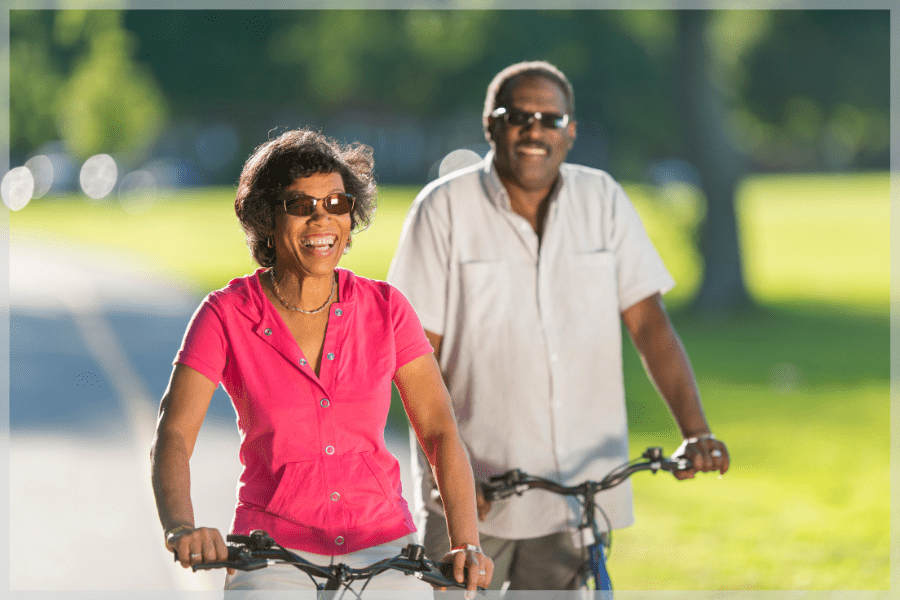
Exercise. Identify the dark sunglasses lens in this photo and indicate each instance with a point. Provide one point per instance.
(300, 207)
(303, 206)
(552, 121)
(338, 204)
(518, 118)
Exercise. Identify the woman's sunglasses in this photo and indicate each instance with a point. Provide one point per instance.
(303, 205)
(520, 118)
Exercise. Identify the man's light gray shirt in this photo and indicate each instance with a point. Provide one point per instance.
(531, 350)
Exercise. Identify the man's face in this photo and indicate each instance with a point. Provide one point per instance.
(528, 156)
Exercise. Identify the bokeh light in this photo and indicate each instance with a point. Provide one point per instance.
(458, 159)
(17, 188)
(98, 176)
(41, 168)
(137, 192)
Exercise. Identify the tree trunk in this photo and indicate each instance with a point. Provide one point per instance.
(702, 108)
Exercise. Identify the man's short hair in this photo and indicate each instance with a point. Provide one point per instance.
(501, 87)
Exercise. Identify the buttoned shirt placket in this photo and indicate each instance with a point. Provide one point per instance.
(540, 253)
(327, 428)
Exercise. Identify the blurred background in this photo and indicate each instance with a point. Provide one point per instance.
(754, 144)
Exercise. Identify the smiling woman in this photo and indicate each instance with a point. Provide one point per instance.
(307, 352)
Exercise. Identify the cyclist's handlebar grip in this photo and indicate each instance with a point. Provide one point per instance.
(242, 565)
(446, 569)
(491, 494)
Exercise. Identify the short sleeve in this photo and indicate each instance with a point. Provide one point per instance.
(641, 271)
(420, 267)
(409, 336)
(204, 346)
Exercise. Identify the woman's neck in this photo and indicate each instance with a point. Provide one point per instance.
(305, 292)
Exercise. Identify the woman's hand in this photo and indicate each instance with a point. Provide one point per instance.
(481, 567)
(201, 545)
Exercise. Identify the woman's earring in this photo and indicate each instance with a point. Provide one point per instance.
(269, 242)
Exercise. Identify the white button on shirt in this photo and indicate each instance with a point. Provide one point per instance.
(531, 331)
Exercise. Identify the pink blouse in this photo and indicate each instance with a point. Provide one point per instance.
(316, 473)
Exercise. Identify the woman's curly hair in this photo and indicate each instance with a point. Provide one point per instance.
(276, 164)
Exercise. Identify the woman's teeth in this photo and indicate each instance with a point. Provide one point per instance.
(320, 242)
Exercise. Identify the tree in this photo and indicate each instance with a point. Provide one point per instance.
(721, 166)
(73, 76)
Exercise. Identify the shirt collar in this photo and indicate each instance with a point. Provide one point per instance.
(251, 300)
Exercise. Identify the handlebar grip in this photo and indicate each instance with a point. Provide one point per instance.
(498, 493)
(446, 570)
(678, 463)
(241, 565)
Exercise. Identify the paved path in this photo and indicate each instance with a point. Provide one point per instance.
(91, 344)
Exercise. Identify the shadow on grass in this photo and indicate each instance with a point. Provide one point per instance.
(777, 354)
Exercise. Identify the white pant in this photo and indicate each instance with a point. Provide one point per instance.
(260, 584)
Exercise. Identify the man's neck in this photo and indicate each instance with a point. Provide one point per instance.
(531, 205)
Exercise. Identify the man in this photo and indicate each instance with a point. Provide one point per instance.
(520, 268)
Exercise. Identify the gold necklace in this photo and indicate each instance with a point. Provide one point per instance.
(305, 312)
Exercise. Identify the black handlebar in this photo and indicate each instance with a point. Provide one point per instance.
(515, 482)
(258, 550)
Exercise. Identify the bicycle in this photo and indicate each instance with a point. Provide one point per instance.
(597, 577)
(258, 550)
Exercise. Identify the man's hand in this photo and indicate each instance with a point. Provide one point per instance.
(706, 454)
(483, 505)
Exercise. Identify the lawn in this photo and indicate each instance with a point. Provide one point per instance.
(798, 387)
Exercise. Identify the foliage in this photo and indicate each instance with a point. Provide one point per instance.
(73, 75)
(817, 88)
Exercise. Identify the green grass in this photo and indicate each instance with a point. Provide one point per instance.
(192, 237)
(806, 504)
(798, 387)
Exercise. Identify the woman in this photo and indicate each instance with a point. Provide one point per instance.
(307, 352)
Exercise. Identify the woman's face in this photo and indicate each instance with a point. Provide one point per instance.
(311, 245)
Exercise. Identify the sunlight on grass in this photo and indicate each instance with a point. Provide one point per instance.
(817, 237)
(823, 238)
(796, 511)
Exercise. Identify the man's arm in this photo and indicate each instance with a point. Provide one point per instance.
(435, 340)
(670, 370)
(483, 505)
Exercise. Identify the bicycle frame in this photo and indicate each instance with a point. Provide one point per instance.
(516, 482)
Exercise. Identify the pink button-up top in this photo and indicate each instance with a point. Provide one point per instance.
(316, 473)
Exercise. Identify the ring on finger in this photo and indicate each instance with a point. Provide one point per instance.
(482, 572)
(716, 453)
(198, 555)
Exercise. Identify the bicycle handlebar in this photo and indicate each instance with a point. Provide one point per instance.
(515, 481)
(258, 550)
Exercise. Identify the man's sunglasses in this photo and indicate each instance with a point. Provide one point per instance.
(520, 118)
(303, 205)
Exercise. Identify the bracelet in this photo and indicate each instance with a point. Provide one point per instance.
(175, 530)
(467, 548)
(697, 438)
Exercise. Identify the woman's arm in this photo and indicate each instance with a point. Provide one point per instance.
(428, 406)
(181, 413)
